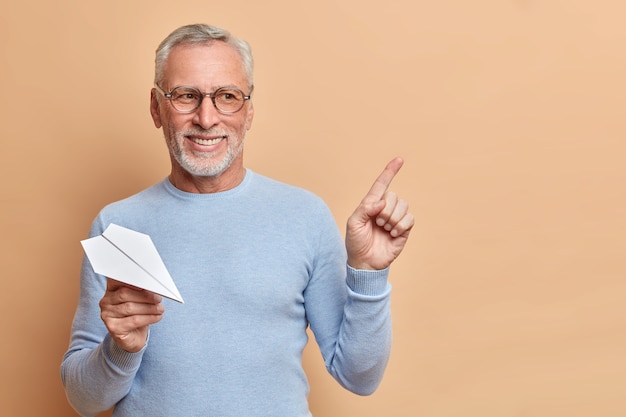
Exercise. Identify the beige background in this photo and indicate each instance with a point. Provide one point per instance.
(508, 300)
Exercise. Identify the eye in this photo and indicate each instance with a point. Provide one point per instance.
(185, 95)
(228, 95)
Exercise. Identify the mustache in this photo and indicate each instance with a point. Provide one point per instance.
(203, 132)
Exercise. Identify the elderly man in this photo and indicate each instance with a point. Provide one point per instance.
(256, 260)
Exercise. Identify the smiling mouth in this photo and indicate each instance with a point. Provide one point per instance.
(208, 142)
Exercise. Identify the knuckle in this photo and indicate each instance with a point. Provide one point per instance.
(134, 321)
(391, 195)
(127, 309)
(123, 294)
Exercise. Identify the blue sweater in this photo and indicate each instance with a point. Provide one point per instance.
(255, 265)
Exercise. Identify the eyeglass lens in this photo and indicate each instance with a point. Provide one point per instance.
(188, 99)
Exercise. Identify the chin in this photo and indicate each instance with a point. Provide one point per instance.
(200, 169)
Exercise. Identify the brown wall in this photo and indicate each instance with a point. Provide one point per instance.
(508, 300)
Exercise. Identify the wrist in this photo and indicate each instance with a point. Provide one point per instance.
(368, 282)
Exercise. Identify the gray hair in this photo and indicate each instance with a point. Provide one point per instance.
(199, 34)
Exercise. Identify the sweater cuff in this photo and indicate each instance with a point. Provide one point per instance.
(367, 282)
(123, 360)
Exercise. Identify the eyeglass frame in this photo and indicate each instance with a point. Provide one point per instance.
(202, 96)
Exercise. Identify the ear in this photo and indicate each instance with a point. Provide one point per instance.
(249, 115)
(155, 109)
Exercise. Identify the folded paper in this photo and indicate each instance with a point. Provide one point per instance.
(130, 257)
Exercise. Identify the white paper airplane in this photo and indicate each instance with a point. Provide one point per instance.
(130, 257)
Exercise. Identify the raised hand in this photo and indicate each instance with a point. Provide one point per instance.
(379, 227)
(128, 312)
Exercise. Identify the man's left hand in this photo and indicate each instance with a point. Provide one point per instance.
(379, 227)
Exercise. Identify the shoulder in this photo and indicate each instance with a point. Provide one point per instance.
(290, 208)
(151, 195)
(136, 207)
(278, 192)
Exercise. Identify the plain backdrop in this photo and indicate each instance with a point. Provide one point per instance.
(509, 298)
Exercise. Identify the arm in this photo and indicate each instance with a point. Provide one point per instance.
(108, 339)
(354, 330)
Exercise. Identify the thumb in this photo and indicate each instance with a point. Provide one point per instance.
(375, 208)
(368, 210)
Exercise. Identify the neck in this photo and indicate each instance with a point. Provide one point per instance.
(189, 183)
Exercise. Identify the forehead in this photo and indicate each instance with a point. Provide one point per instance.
(205, 66)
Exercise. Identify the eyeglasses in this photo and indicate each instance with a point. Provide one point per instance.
(185, 99)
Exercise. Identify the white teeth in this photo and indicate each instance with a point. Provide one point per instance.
(207, 142)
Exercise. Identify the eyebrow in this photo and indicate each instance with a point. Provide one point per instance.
(229, 87)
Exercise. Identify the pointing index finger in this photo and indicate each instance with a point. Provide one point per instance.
(383, 181)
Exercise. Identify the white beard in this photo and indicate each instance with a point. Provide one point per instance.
(203, 164)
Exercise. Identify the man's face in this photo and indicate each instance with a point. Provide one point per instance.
(205, 142)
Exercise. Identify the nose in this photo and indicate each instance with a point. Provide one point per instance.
(206, 115)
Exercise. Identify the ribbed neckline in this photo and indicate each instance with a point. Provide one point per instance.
(170, 188)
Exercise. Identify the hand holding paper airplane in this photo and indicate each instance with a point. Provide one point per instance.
(130, 257)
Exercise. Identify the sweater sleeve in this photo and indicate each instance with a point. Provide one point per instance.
(95, 372)
(350, 316)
